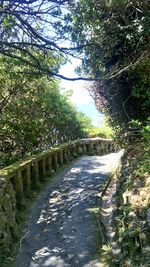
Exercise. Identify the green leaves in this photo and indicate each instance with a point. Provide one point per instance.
(34, 115)
(118, 54)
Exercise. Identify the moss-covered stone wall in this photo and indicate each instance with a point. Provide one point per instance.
(18, 179)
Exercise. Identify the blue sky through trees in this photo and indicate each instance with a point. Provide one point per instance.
(80, 97)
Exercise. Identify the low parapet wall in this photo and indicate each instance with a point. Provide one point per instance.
(20, 178)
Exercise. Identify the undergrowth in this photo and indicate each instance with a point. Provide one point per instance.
(133, 195)
(133, 206)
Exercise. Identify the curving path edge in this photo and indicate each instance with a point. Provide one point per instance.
(62, 230)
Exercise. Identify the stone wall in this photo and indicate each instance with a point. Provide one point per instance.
(22, 177)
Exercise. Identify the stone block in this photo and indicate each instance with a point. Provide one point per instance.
(34, 174)
(18, 184)
(65, 155)
(11, 192)
(55, 161)
(60, 158)
(97, 149)
(41, 169)
(3, 220)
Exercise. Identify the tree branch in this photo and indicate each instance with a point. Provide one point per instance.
(48, 72)
(132, 64)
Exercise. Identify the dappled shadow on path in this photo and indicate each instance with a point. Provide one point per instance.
(63, 232)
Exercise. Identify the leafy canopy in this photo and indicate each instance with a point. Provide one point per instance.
(119, 56)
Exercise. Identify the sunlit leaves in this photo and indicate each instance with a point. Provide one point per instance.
(118, 32)
(34, 115)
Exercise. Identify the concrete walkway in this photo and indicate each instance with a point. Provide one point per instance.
(62, 230)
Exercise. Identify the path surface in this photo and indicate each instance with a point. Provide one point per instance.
(62, 230)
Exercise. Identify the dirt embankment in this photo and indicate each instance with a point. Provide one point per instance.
(126, 204)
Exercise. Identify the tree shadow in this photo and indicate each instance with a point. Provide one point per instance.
(62, 231)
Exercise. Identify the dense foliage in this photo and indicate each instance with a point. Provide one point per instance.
(133, 226)
(104, 131)
(28, 32)
(34, 114)
(112, 37)
(119, 56)
(34, 32)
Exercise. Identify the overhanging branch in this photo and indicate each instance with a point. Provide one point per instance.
(46, 71)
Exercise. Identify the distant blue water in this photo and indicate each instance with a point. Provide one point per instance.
(91, 111)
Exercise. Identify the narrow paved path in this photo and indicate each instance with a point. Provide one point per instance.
(62, 230)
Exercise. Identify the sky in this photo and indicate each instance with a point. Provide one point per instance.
(80, 96)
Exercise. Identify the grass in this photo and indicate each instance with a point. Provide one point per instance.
(104, 131)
